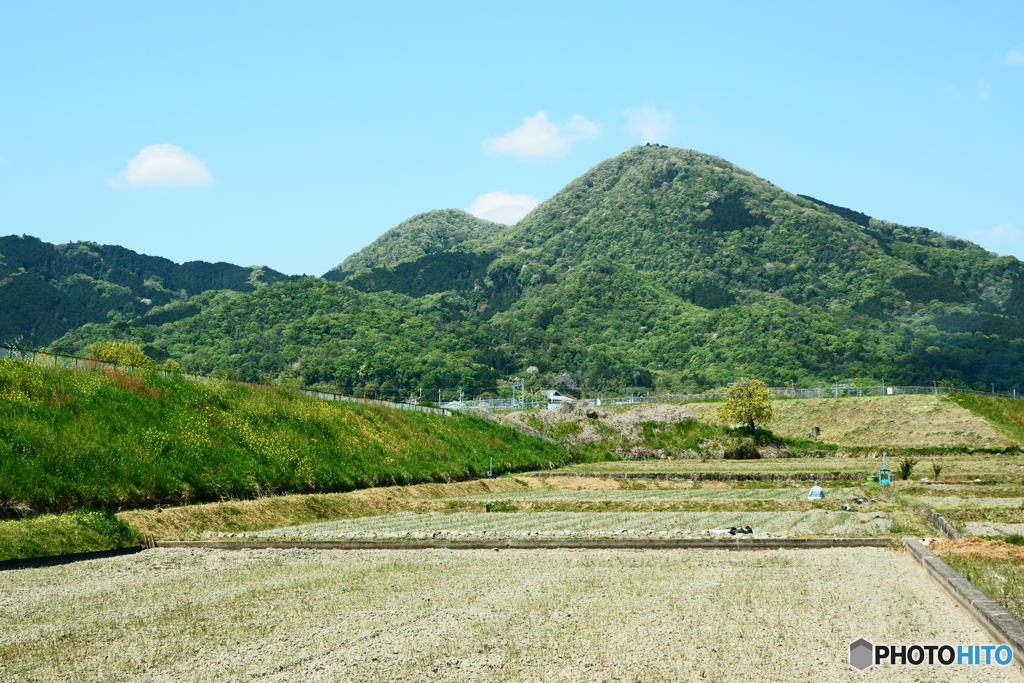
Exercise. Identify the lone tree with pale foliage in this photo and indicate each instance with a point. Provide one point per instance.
(121, 353)
(747, 402)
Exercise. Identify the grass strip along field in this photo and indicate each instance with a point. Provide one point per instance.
(75, 532)
(995, 567)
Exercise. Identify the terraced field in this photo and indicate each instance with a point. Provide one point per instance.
(844, 494)
(985, 511)
(592, 525)
(560, 507)
(513, 615)
(954, 467)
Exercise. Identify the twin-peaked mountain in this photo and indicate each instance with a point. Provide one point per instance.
(658, 267)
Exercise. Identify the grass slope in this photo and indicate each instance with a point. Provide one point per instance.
(75, 532)
(70, 439)
(895, 422)
(1006, 414)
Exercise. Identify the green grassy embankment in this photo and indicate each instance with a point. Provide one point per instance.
(1004, 413)
(73, 532)
(107, 441)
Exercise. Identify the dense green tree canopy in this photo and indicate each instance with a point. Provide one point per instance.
(48, 289)
(659, 268)
(421, 235)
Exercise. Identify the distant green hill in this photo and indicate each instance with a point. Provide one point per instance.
(660, 267)
(47, 289)
(422, 235)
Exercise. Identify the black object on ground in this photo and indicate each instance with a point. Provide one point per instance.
(863, 501)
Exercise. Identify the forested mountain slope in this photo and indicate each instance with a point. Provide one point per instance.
(659, 267)
(421, 235)
(48, 289)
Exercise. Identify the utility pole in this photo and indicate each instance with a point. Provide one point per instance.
(519, 383)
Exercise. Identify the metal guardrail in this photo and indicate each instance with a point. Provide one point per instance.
(375, 402)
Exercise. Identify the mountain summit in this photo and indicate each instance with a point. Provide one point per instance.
(660, 267)
(421, 235)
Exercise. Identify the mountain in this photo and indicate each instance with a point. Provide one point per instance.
(422, 235)
(660, 267)
(47, 289)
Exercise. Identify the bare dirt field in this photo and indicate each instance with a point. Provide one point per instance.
(954, 502)
(591, 525)
(204, 615)
(992, 529)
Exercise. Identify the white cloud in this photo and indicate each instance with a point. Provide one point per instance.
(984, 90)
(502, 207)
(1014, 57)
(164, 166)
(652, 125)
(538, 137)
(1002, 239)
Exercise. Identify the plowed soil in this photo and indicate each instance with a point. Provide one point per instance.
(170, 616)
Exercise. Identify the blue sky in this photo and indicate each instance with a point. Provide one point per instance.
(293, 134)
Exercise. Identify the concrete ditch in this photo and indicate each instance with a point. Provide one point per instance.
(538, 544)
(992, 616)
(938, 522)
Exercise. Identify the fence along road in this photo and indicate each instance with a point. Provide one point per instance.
(506, 404)
(47, 359)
